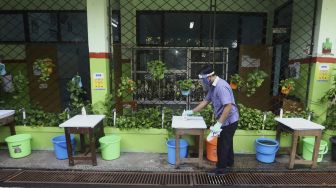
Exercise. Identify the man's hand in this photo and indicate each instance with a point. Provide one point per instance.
(187, 113)
(216, 129)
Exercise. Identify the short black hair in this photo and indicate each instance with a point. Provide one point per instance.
(207, 69)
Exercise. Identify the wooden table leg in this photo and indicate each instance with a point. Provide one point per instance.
(177, 150)
(92, 147)
(200, 149)
(82, 142)
(316, 150)
(293, 150)
(69, 147)
(12, 128)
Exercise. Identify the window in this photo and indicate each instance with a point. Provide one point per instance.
(12, 27)
(227, 26)
(182, 29)
(252, 29)
(73, 27)
(150, 32)
(42, 26)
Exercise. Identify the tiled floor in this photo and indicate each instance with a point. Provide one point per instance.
(152, 162)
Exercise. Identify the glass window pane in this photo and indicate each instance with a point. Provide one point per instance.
(207, 56)
(182, 29)
(149, 29)
(11, 27)
(175, 59)
(226, 29)
(252, 29)
(144, 56)
(73, 26)
(43, 26)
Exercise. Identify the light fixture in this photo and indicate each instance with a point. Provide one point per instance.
(114, 23)
(176, 52)
(191, 25)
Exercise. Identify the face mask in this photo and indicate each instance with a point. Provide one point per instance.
(205, 84)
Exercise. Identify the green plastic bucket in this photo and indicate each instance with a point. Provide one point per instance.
(19, 145)
(110, 147)
(308, 148)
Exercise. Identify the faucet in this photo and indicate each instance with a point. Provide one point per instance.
(67, 110)
(23, 115)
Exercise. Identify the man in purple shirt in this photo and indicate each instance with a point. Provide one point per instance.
(226, 112)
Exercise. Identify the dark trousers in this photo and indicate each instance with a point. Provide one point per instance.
(225, 154)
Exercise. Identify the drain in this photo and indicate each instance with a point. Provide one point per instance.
(170, 178)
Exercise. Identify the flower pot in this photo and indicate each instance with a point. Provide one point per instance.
(185, 92)
(285, 90)
(233, 85)
(50, 70)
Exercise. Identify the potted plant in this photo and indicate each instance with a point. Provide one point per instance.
(157, 69)
(44, 65)
(326, 46)
(253, 81)
(287, 86)
(126, 87)
(185, 86)
(235, 81)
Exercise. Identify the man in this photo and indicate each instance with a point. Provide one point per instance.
(226, 113)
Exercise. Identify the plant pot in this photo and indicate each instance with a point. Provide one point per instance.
(326, 51)
(233, 85)
(185, 92)
(285, 90)
(50, 70)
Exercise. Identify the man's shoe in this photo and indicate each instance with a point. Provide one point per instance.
(230, 164)
(217, 172)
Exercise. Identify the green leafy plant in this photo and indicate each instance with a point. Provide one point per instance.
(20, 82)
(76, 97)
(235, 81)
(36, 117)
(185, 84)
(253, 81)
(157, 69)
(252, 119)
(126, 87)
(287, 85)
(45, 66)
(330, 97)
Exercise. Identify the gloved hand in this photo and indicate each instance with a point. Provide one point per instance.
(216, 129)
(187, 113)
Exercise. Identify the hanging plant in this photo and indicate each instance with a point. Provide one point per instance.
(185, 86)
(126, 87)
(253, 81)
(20, 82)
(287, 85)
(45, 66)
(235, 81)
(157, 69)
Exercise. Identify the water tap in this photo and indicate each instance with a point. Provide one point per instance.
(67, 111)
(23, 115)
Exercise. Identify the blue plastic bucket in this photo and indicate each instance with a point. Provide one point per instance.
(60, 146)
(266, 149)
(171, 150)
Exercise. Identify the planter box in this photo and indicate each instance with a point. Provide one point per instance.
(145, 140)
